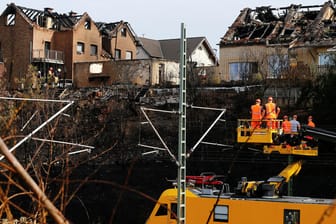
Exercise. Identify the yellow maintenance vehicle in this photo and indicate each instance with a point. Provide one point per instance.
(254, 202)
(272, 139)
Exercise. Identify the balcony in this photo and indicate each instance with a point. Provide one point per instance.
(325, 69)
(51, 56)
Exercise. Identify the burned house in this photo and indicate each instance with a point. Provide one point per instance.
(118, 40)
(46, 39)
(74, 47)
(119, 43)
(272, 43)
(156, 63)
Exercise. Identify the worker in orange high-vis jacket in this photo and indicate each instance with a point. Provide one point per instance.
(257, 113)
(286, 129)
(272, 111)
(311, 122)
(311, 141)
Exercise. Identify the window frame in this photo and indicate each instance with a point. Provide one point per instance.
(10, 19)
(221, 213)
(242, 69)
(87, 24)
(291, 216)
(80, 48)
(123, 32)
(326, 59)
(117, 54)
(280, 63)
(93, 49)
(129, 55)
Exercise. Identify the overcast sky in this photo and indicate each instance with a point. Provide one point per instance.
(157, 19)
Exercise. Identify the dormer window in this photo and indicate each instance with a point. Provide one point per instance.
(87, 24)
(123, 32)
(10, 20)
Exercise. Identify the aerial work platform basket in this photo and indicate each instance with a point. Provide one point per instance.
(271, 139)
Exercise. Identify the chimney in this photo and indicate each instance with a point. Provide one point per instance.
(72, 13)
(48, 9)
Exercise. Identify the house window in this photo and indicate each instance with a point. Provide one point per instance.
(117, 54)
(10, 20)
(291, 216)
(277, 64)
(47, 47)
(80, 48)
(93, 50)
(242, 70)
(87, 25)
(221, 213)
(326, 59)
(129, 55)
(123, 32)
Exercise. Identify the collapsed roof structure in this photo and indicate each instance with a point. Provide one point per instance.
(40, 17)
(295, 26)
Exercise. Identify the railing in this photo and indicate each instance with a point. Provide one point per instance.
(258, 131)
(322, 69)
(48, 54)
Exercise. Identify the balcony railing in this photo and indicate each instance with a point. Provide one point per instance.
(323, 69)
(47, 55)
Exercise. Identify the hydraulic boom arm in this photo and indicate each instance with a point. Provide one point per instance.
(273, 186)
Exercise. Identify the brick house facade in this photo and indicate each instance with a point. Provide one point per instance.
(46, 39)
(118, 40)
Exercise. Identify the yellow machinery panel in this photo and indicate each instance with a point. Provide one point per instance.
(246, 134)
(266, 136)
(291, 150)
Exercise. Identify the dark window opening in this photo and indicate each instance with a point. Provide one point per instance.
(93, 50)
(47, 47)
(87, 25)
(117, 54)
(162, 211)
(123, 32)
(291, 216)
(10, 20)
(173, 210)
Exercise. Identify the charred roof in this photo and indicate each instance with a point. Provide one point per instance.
(39, 17)
(295, 25)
